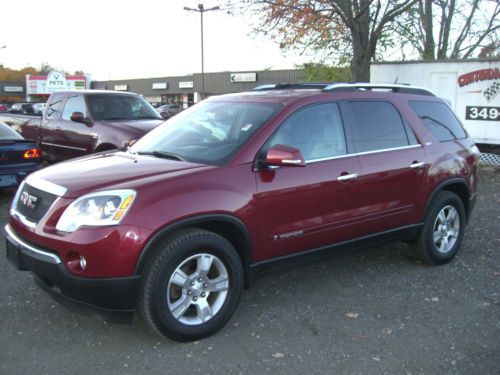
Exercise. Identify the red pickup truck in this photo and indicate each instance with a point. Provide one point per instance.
(77, 123)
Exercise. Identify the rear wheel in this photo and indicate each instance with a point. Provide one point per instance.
(444, 225)
(193, 285)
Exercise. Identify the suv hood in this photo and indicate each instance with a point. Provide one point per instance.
(109, 170)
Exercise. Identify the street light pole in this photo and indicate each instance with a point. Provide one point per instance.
(202, 10)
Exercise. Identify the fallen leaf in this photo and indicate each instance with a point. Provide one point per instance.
(387, 331)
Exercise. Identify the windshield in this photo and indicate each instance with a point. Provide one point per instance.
(208, 133)
(121, 107)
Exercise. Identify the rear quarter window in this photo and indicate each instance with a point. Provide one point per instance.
(55, 106)
(439, 120)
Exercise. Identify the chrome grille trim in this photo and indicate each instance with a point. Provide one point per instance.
(45, 185)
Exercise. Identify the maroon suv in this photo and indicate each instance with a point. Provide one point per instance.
(241, 183)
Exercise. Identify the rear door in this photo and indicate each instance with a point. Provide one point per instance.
(302, 208)
(393, 164)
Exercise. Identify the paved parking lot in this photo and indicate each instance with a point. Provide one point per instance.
(375, 311)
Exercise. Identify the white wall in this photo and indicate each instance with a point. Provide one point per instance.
(471, 87)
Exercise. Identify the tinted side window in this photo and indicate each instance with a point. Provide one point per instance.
(75, 103)
(439, 120)
(55, 106)
(377, 126)
(316, 131)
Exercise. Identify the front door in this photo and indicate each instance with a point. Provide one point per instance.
(304, 208)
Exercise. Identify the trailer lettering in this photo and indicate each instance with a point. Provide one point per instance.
(478, 76)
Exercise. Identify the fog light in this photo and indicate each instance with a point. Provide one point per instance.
(76, 262)
(83, 262)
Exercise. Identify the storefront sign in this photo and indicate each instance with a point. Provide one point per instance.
(186, 85)
(13, 89)
(121, 87)
(243, 77)
(55, 81)
(160, 86)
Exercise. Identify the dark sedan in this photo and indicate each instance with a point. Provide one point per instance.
(18, 157)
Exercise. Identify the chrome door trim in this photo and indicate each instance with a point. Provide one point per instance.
(362, 153)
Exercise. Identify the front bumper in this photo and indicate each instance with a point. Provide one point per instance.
(112, 299)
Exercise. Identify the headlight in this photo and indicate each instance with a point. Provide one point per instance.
(96, 209)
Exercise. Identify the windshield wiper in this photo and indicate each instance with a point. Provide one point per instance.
(148, 118)
(162, 154)
(114, 118)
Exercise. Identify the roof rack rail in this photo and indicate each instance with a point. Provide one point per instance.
(290, 86)
(399, 88)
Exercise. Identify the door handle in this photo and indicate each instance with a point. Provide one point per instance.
(417, 164)
(346, 177)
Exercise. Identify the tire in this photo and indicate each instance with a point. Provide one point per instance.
(192, 286)
(444, 225)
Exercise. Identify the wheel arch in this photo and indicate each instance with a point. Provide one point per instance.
(457, 186)
(227, 226)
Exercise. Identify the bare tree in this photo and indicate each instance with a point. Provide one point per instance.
(450, 29)
(338, 29)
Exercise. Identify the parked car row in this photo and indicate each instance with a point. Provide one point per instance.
(78, 123)
(23, 108)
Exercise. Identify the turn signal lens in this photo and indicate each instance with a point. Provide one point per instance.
(32, 153)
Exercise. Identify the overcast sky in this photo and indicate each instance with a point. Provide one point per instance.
(119, 39)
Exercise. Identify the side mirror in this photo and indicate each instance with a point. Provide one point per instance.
(281, 155)
(79, 117)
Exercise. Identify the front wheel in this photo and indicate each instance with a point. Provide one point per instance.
(443, 229)
(193, 285)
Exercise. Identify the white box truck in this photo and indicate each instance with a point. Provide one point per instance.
(472, 88)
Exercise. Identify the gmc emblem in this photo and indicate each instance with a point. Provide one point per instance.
(28, 200)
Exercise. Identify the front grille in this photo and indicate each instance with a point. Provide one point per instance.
(38, 208)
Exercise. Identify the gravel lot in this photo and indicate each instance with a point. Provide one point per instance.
(369, 312)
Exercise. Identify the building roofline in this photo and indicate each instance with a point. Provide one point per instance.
(196, 74)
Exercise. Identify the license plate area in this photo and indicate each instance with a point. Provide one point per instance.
(8, 180)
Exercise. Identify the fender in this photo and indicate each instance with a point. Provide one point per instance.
(246, 251)
(443, 185)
